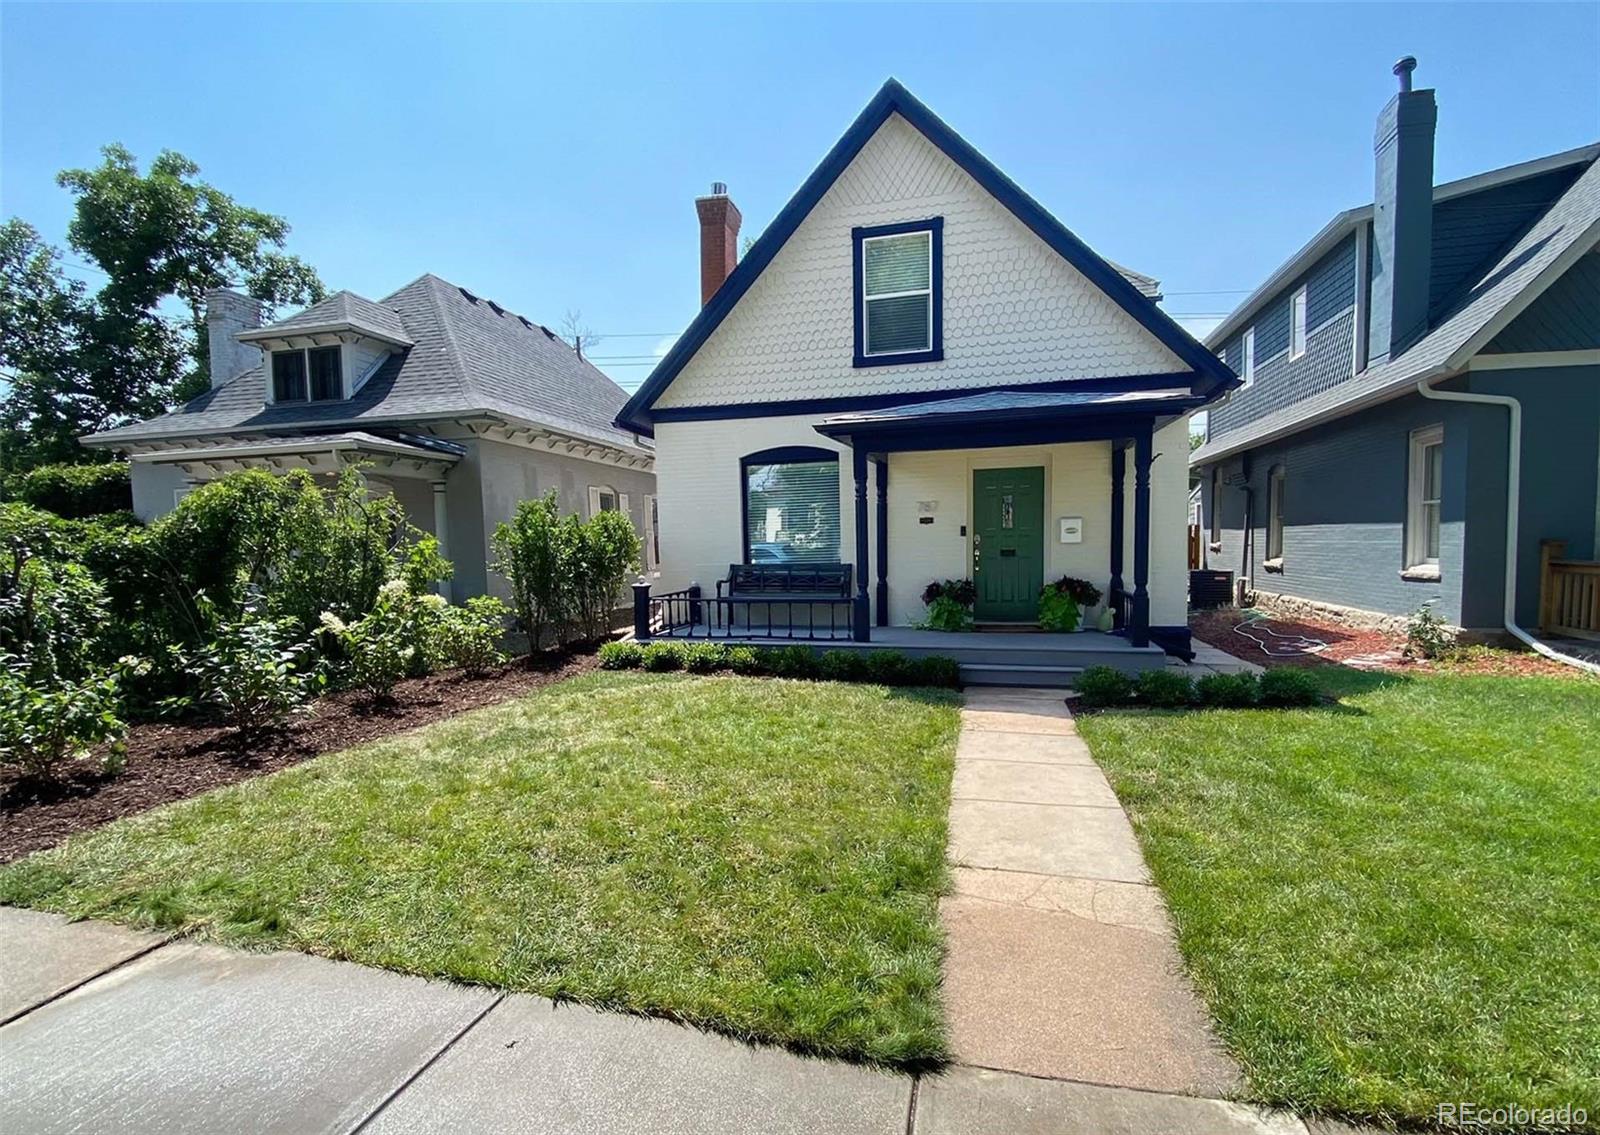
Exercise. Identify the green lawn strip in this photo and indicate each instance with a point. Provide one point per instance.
(1390, 902)
(762, 857)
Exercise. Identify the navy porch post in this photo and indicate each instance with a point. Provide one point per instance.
(861, 608)
(881, 472)
(1119, 468)
(1139, 630)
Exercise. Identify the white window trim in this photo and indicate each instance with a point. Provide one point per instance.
(867, 297)
(1416, 478)
(1248, 363)
(305, 353)
(594, 500)
(1299, 322)
(1277, 480)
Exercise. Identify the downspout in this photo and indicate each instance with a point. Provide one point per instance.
(1513, 509)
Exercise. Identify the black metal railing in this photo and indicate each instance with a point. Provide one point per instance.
(691, 614)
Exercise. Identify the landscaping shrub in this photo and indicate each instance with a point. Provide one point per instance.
(621, 656)
(1164, 689)
(937, 671)
(889, 668)
(1104, 686)
(705, 657)
(468, 636)
(77, 491)
(43, 725)
(1286, 686)
(743, 660)
(566, 574)
(51, 613)
(790, 662)
(949, 604)
(256, 671)
(843, 666)
(1427, 635)
(663, 656)
(1228, 691)
(398, 638)
(1080, 591)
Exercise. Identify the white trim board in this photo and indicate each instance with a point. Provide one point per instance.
(1523, 360)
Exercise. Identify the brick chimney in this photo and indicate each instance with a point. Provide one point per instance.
(719, 239)
(1402, 219)
(227, 314)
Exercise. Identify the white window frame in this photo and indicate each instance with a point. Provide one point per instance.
(1247, 364)
(652, 550)
(595, 505)
(1277, 481)
(305, 355)
(1299, 317)
(1422, 440)
(867, 297)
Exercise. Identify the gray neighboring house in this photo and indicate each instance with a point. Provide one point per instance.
(458, 407)
(1389, 366)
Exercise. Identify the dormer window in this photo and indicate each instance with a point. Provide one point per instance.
(313, 375)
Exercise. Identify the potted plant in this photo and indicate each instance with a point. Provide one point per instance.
(949, 603)
(1062, 604)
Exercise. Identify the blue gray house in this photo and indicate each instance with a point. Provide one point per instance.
(1421, 393)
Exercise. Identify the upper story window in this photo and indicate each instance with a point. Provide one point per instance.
(314, 375)
(1247, 369)
(899, 293)
(1297, 323)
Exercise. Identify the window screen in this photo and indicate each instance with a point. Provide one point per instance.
(289, 376)
(792, 512)
(898, 293)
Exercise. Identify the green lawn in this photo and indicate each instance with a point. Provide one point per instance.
(761, 857)
(1390, 902)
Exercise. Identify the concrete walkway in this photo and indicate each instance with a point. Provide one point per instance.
(1061, 960)
(111, 1030)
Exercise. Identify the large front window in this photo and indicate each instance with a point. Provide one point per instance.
(898, 318)
(314, 375)
(791, 508)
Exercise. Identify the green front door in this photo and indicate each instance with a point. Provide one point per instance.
(1008, 543)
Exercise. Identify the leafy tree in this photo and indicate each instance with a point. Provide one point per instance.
(79, 361)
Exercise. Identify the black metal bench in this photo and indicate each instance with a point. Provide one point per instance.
(787, 583)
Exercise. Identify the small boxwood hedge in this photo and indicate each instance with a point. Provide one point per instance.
(1103, 686)
(884, 667)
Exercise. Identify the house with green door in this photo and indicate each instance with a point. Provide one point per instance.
(917, 374)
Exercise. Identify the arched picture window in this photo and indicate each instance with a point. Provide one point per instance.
(791, 505)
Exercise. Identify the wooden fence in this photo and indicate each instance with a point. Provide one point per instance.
(1569, 592)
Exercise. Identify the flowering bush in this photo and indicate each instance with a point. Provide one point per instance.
(43, 725)
(396, 639)
(468, 636)
(257, 671)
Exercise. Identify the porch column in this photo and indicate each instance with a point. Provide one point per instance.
(441, 530)
(1139, 631)
(881, 472)
(861, 610)
(1119, 471)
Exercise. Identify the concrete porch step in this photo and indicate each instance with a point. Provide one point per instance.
(1008, 674)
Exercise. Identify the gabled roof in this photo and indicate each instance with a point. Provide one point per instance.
(341, 310)
(891, 99)
(1343, 224)
(467, 356)
(1568, 230)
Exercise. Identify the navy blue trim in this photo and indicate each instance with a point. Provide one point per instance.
(861, 608)
(959, 435)
(849, 402)
(1119, 471)
(935, 351)
(1175, 641)
(783, 454)
(1213, 376)
(881, 475)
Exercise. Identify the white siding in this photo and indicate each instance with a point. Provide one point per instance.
(1014, 311)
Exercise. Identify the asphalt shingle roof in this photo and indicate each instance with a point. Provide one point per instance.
(1570, 226)
(467, 356)
(346, 308)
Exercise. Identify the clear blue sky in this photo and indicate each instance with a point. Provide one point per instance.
(547, 157)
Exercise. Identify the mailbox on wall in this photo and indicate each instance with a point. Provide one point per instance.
(1072, 529)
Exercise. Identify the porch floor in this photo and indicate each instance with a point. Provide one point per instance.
(987, 658)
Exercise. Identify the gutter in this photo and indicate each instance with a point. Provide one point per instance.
(1513, 511)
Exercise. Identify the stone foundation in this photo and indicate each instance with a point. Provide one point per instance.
(1293, 606)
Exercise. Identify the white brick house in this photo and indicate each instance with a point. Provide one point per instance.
(916, 371)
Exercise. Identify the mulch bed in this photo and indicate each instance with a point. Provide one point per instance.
(1291, 641)
(168, 762)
